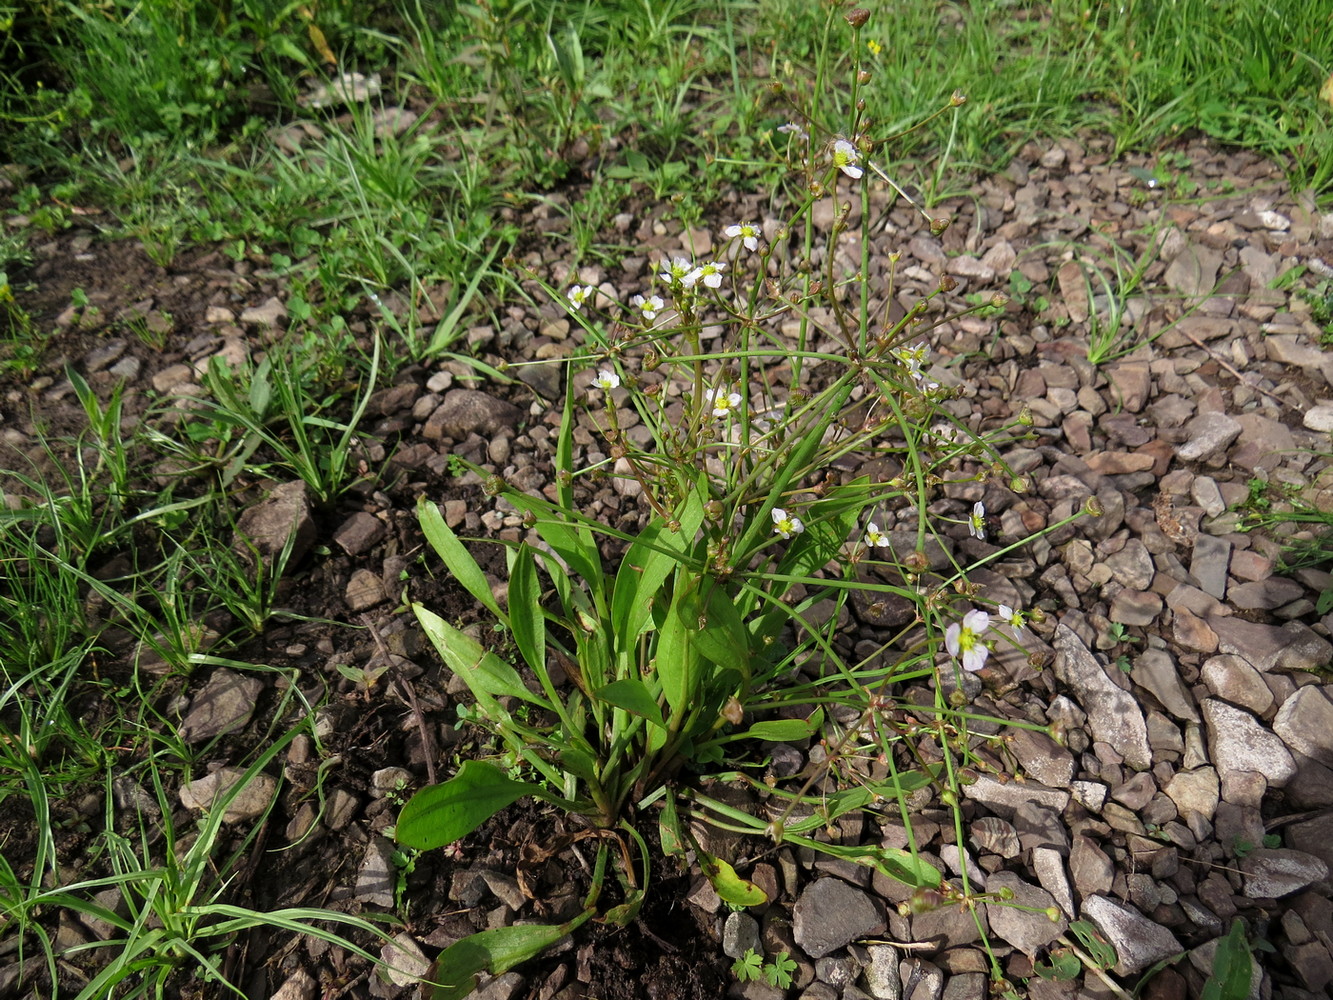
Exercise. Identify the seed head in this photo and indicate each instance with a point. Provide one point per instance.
(857, 18)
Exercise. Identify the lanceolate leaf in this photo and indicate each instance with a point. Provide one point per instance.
(440, 814)
(495, 951)
(730, 887)
(633, 696)
(485, 674)
(456, 557)
(526, 621)
(1232, 967)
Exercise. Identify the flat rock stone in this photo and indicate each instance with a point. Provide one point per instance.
(1291, 647)
(880, 975)
(1209, 563)
(1272, 874)
(1091, 867)
(740, 933)
(1135, 607)
(1319, 418)
(1155, 671)
(1233, 679)
(225, 704)
(1313, 836)
(1138, 941)
(376, 877)
(1237, 742)
(365, 589)
(267, 526)
(1195, 793)
(1265, 595)
(359, 532)
(404, 961)
(830, 914)
(1131, 384)
(250, 801)
(1193, 272)
(1028, 928)
(1209, 434)
(1132, 567)
(469, 411)
(1113, 715)
(1041, 757)
(1305, 723)
(1005, 797)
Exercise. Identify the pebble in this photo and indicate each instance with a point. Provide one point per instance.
(1237, 742)
(1278, 872)
(1024, 924)
(1113, 714)
(829, 914)
(1305, 723)
(225, 704)
(1138, 941)
(248, 802)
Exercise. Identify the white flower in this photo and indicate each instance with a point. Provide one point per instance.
(723, 403)
(675, 272)
(649, 307)
(875, 537)
(1016, 620)
(606, 380)
(710, 274)
(912, 358)
(845, 158)
(791, 128)
(746, 233)
(976, 521)
(580, 294)
(963, 640)
(786, 525)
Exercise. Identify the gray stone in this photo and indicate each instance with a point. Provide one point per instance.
(1193, 272)
(829, 914)
(376, 878)
(1208, 565)
(266, 527)
(1313, 836)
(224, 705)
(1091, 867)
(1049, 866)
(300, 985)
(1265, 595)
(1264, 442)
(1130, 384)
(740, 934)
(966, 986)
(1113, 715)
(1195, 793)
(1024, 924)
(504, 987)
(469, 411)
(1138, 941)
(270, 314)
(1156, 672)
(1238, 743)
(1232, 679)
(880, 976)
(1135, 607)
(1305, 723)
(1303, 650)
(1041, 757)
(1209, 434)
(1272, 874)
(359, 532)
(1291, 647)
(249, 801)
(1319, 418)
(365, 589)
(1005, 797)
(1132, 567)
(404, 961)
(837, 970)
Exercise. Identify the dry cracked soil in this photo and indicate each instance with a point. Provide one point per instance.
(1184, 670)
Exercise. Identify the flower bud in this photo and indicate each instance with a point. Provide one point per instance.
(775, 832)
(713, 510)
(619, 451)
(916, 561)
(861, 101)
(957, 99)
(529, 519)
(673, 526)
(493, 485)
(732, 711)
(948, 283)
(1037, 616)
(1094, 506)
(863, 77)
(858, 17)
(1025, 416)
(999, 299)
(1020, 484)
(938, 226)
(651, 360)
(776, 86)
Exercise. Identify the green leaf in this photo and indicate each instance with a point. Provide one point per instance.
(708, 611)
(1062, 967)
(647, 564)
(892, 862)
(495, 951)
(632, 695)
(485, 674)
(526, 619)
(1097, 947)
(730, 887)
(441, 814)
(1233, 967)
(668, 827)
(676, 662)
(574, 544)
(783, 730)
(456, 558)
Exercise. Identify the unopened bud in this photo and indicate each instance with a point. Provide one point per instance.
(564, 477)
(776, 86)
(1053, 914)
(916, 561)
(619, 451)
(1020, 484)
(493, 486)
(732, 711)
(650, 361)
(1037, 616)
(1005, 893)
(948, 283)
(861, 101)
(858, 17)
(673, 526)
(713, 510)
(863, 77)
(1025, 416)
(938, 226)
(957, 99)
(529, 519)
(1094, 507)
(999, 299)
